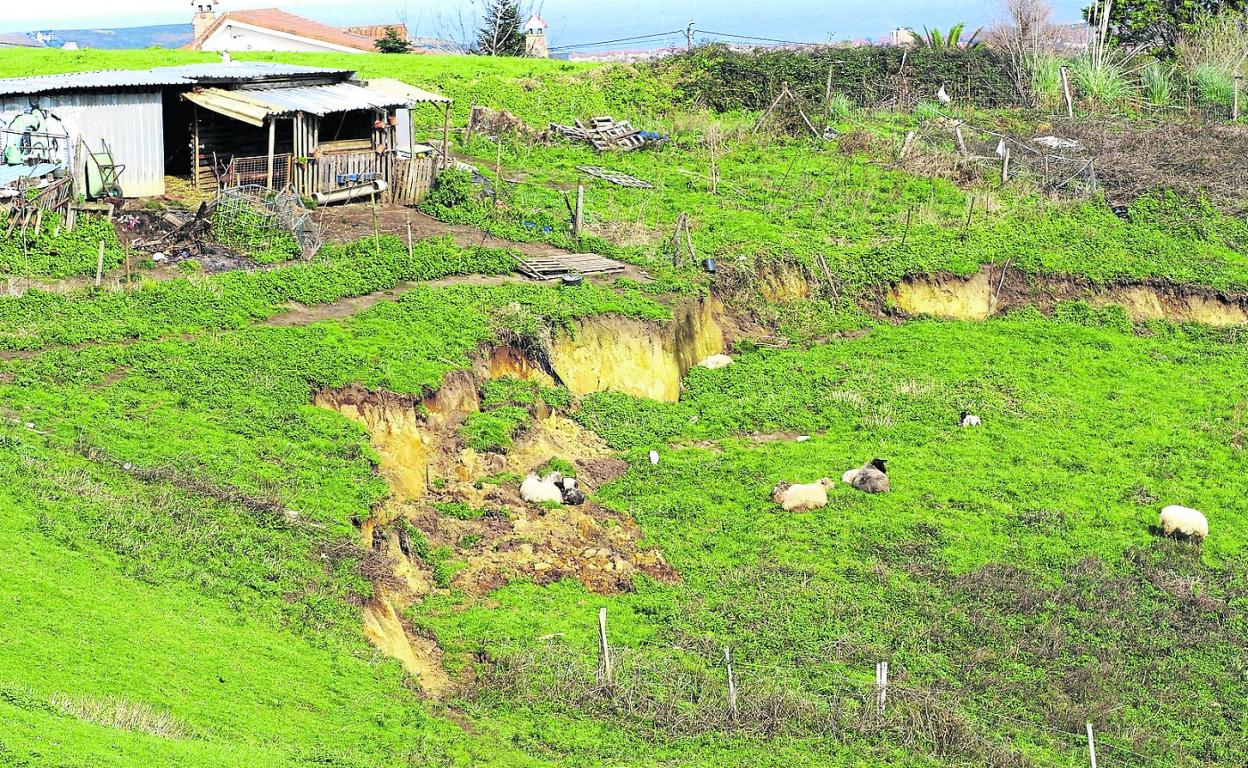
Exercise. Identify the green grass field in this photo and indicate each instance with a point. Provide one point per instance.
(162, 606)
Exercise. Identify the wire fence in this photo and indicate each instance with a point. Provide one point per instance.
(252, 219)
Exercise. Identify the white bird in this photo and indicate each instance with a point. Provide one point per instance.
(942, 96)
(654, 457)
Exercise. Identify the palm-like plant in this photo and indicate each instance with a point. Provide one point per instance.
(934, 38)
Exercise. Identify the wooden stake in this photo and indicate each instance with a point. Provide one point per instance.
(1070, 105)
(1005, 168)
(906, 232)
(498, 171)
(99, 266)
(604, 650)
(957, 134)
(1091, 746)
(472, 118)
(272, 146)
(410, 252)
(376, 233)
(579, 212)
(129, 284)
(881, 685)
(905, 147)
(732, 685)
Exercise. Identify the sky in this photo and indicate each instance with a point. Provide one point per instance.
(573, 22)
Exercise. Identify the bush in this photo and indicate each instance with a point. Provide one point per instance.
(454, 188)
(726, 80)
(1213, 86)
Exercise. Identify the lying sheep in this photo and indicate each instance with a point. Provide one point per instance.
(870, 477)
(801, 497)
(1183, 521)
(716, 361)
(542, 490)
(968, 420)
(571, 493)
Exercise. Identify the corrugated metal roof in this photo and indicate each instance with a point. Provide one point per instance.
(81, 81)
(410, 94)
(253, 106)
(183, 74)
(246, 70)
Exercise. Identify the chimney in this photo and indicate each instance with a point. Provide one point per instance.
(205, 15)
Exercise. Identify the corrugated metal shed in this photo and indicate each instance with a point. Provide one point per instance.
(131, 123)
(253, 106)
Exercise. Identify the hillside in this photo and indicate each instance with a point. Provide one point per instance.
(271, 517)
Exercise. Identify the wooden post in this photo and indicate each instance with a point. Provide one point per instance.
(129, 284)
(498, 171)
(881, 686)
(1005, 167)
(376, 233)
(579, 213)
(1091, 746)
(732, 685)
(905, 146)
(604, 650)
(446, 137)
(410, 251)
(472, 118)
(1070, 105)
(957, 135)
(272, 145)
(99, 266)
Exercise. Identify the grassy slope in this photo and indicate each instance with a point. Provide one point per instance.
(1012, 568)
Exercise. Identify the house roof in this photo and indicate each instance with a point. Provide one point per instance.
(535, 22)
(19, 41)
(281, 21)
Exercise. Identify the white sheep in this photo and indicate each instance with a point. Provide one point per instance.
(716, 361)
(537, 490)
(968, 419)
(802, 497)
(870, 477)
(1186, 521)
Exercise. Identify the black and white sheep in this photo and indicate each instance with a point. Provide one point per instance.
(870, 477)
(968, 419)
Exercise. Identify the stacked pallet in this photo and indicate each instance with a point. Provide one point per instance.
(555, 267)
(604, 133)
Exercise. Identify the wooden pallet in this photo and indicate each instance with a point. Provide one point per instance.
(555, 267)
(615, 177)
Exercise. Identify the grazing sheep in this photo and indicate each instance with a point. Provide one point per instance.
(654, 457)
(968, 420)
(536, 490)
(870, 477)
(1183, 521)
(716, 361)
(801, 497)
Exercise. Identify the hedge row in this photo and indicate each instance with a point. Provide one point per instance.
(870, 76)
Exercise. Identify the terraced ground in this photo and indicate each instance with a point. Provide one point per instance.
(206, 514)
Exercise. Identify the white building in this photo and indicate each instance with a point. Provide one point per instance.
(535, 45)
(270, 29)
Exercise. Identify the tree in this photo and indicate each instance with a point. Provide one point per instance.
(1155, 25)
(1025, 34)
(934, 38)
(393, 42)
(501, 33)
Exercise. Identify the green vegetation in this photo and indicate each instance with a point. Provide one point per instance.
(52, 251)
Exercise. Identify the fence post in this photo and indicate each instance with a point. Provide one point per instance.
(1005, 167)
(732, 685)
(881, 685)
(604, 650)
(1091, 746)
(99, 266)
(1070, 106)
(578, 213)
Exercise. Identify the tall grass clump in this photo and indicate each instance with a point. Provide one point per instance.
(1046, 80)
(1212, 85)
(1156, 84)
(1104, 79)
(840, 106)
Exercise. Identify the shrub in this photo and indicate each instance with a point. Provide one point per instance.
(453, 189)
(1156, 85)
(1213, 86)
(1104, 81)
